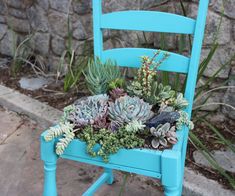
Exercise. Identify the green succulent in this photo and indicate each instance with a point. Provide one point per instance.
(160, 93)
(163, 134)
(98, 75)
(135, 126)
(184, 120)
(90, 111)
(179, 102)
(127, 109)
(135, 89)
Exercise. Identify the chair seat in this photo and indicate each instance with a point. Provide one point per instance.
(139, 160)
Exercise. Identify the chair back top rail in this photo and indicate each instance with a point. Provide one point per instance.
(151, 21)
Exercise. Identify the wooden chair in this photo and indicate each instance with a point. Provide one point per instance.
(167, 165)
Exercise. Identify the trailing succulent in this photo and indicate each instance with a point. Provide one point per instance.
(122, 116)
(100, 75)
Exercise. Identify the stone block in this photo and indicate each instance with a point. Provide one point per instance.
(81, 7)
(228, 7)
(221, 56)
(60, 5)
(229, 97)
(6, 44)
(18, 25)
(17, 13)
(40, 42)
(57, 45)
(58, 23)
(20, 4)
(79, 31)
(43, 4)
(38, 18)
(3, 30)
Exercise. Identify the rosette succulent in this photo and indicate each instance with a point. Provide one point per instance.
(160, 93)
(90, 111)
(126, 109)
(163, 134)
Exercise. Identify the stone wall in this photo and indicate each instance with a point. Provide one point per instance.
(47, 20)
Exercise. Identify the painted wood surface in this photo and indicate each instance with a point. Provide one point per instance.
(131, 57)
(148, 21)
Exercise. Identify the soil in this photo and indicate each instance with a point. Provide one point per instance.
(54, 96)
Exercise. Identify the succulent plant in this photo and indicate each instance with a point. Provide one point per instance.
(127, 109)
(117, 93)
(66, 112)
(184, 120)
(98, 75)
(135, 89)
(90, 111)
(116, 83)
(142, 84)
(163, 134)
(179, 102)
(160, 93)
(135, 126)
(58, 131)
(165, 108)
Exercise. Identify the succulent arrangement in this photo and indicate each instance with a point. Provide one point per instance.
(120, 114)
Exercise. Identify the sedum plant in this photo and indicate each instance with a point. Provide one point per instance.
(99, 75)
(142, 85)
(127, 109)
(90, 111)
(162, 135)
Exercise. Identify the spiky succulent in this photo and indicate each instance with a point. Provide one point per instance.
(135, 126)
(163, 134)
(117, 93)
(98, 75)
(90, 111)
(127, 109)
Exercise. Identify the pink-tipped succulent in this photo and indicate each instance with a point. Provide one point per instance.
(117, 93)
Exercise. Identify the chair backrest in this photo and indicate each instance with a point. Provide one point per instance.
(153, 21)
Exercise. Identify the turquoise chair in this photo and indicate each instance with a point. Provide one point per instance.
(167, 165)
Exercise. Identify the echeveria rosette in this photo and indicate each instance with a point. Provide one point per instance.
(162, 135)
(91, 111)
(127, 109)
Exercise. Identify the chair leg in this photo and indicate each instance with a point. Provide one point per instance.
(111, 178)
(172, 191)
(49, 179)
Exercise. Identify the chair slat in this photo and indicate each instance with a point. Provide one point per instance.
(148, 21)
(131, 57)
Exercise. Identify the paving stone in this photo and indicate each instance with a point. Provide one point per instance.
(10, 122)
